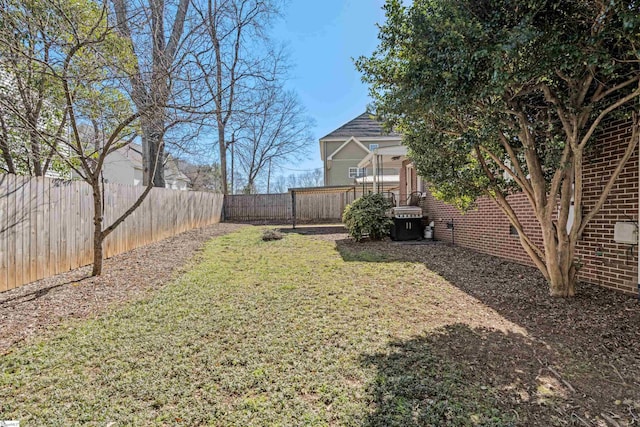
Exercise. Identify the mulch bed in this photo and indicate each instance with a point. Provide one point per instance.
(585, 349)
(44, 304)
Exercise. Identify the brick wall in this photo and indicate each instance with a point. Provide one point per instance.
(486, 229)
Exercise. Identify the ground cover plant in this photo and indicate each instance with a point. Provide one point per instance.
(318, 330)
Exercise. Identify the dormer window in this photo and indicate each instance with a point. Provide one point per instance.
(373, 146)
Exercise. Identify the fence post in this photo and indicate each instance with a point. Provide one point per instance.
(293, 207)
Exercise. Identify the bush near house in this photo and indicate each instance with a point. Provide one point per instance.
(366, 217)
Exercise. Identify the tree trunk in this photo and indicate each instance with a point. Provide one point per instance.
(153, 152)
(36, 156)
(98, 236)
(561, 271)
(223, 160)
(4, 146)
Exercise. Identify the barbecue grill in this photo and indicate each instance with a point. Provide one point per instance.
(407, 223)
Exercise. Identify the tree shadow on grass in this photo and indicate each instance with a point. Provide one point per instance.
(458, 376)
(594, 338)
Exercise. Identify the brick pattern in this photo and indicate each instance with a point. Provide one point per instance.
(604, 262)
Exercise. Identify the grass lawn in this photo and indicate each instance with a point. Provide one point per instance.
(282, 333)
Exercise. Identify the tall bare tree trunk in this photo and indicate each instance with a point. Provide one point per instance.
(153, 151)
(151, 94)
(4, 146)
(223, 160)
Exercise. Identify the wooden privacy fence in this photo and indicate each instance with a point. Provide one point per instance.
(320, 204)
(46, 225)
(257, 207)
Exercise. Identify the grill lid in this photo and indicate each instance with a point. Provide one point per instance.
(406, 212)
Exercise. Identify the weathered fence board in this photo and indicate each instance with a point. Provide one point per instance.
(46, 225)
(321, 206)
(257, 207)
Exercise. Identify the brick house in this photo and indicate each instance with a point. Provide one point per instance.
(604, 262)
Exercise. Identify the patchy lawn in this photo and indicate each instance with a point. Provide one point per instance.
(310, 331)
(38, 306)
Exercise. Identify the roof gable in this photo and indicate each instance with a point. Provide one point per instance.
(347, 142)
(365, 125)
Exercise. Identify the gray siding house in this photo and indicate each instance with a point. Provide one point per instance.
(345, 147)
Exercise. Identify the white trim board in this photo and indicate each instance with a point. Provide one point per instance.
(330, 157)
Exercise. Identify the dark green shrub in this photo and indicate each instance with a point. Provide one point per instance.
(366, 217)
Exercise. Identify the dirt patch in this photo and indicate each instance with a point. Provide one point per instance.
(580, 363)
(41, 305)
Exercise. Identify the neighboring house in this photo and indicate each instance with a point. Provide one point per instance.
(173, 177)
(343, 149)
(124, 166)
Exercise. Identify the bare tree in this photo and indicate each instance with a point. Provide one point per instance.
(279, 184)
(278, 131)
(202, 177)
(235, 57)
(311, 178)
(157, 61)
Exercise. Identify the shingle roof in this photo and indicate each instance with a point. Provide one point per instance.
(362, 126)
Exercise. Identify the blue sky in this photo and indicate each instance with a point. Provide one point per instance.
(322, 38)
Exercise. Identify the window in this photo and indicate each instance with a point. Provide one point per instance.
(357, 172)
(373, 146)
(512, 230)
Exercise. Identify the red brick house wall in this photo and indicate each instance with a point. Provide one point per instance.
(604, 262)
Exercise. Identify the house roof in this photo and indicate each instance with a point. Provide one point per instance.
(388, 155)
(365, 125)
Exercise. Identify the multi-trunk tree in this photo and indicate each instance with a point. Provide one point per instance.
(498, 97)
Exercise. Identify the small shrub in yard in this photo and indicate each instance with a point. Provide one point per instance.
(366, 217)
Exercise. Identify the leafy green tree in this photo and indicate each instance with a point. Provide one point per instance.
(31, 116)
(497, 97)
(84, 65)
(95, 60)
